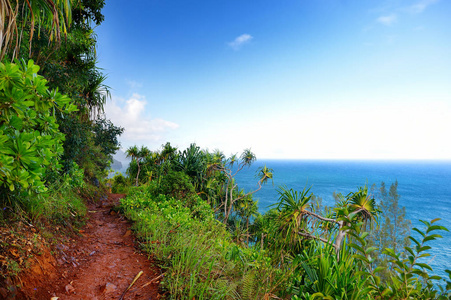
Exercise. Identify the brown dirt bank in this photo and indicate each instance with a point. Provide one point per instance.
(100, 263)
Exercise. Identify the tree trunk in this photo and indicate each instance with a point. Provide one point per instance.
(137, 175)
(339, 240)
(225, 204)
(247, 229)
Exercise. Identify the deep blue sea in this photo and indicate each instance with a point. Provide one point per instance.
(424, 187)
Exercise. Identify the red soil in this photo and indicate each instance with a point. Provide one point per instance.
(99, 264)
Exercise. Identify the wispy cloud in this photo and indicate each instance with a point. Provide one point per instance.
(387, 20)
(139, 127)
(420, 6)
(238, 42)
(134, 84)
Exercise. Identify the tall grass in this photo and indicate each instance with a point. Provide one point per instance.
(196, 251)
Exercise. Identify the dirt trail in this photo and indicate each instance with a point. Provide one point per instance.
(101, 263)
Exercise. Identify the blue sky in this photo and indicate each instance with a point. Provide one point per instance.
(306, 79)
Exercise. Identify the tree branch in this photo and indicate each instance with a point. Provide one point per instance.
(321, 217)
(307, 235)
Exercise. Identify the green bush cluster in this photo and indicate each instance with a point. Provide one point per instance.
(119, 184)
(30, 142)
(196, 251)
(31, 146)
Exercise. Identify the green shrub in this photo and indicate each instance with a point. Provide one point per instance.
(177, 185)
(61, 205)
(30, 142)
(196, 250)
(119, 184)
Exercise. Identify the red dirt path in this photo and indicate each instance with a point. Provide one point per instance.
(100, 264)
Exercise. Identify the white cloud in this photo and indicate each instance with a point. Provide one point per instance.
(139, 127)
(133, 84)
(387, 20)
(237, 43)
(420, 6)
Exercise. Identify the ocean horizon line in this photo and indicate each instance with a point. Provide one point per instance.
(413, 160)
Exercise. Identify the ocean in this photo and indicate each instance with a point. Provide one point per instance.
(424, 187)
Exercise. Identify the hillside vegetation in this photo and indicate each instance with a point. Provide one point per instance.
(188, 211)
(212, 243)
(55, 143)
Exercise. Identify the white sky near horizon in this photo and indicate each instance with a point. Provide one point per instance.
(298, 79)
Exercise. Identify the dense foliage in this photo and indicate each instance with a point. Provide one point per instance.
(55, 143)
(196, 251)
(189, 212)
(69, 65)
(30, 142)
(211, 241)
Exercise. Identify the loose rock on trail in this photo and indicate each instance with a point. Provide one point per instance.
(100, 264)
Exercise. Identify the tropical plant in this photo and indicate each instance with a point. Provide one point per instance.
(30, 142)
(177, 185)
(137, 155)
(168, 153)
(197, 253)
(106, 137)
(19, 18)
(192, 162)
(291, 219)
(247, 208)
(229, 170)
(296, 220)
(411, 279)
(324, 276)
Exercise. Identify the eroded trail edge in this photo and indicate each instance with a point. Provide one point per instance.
(102, 262)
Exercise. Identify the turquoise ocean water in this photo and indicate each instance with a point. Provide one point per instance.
(424, 187)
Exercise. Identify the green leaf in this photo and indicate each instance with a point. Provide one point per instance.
(424, 255)
(422, 249)
(436, 227)
(423, 265)
(431, 237)
(435, 220)
(371, 249)
(414, 240)
(419, 231)
(361, 257)
(409, 250)
(29, 137)
(425, 223)
(401, 265)
(16, 122)
(390, 252)
(355, 246)
(418, 272)
(386, 292)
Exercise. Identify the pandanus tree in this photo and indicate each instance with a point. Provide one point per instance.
(247, 208)
(230, 168)
(137, 154)
(193, 163)
(168, 153)
(21, 18)
(293, 207)
(298, 221)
